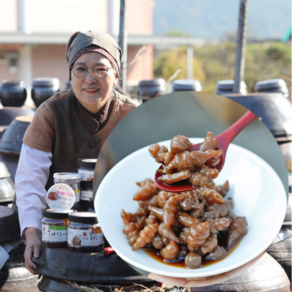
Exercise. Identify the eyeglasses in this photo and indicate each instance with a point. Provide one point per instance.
(80, 70)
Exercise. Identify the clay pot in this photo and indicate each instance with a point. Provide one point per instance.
(148, 89)
(273, 109)
(9, 225)
(14, 276)
(13, 93)
(224, 87)
(63, 264)
(68, 85)
(281, 251)
(265, 275)
(44, 88)
(273, 85)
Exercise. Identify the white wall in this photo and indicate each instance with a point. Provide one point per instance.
(8, 15)
(69, 15)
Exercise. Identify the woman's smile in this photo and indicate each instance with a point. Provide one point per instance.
(91, 90)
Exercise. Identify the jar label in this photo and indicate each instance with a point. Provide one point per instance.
(87, 175)
(87, 196)
(85, 237)
(77, 195)
(53, 233)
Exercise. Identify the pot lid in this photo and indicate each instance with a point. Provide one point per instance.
(45, 82)
(8, 114)
(269, 84)
(276, 89)
(11, 140)
(184, 84)
(153, 82)
(3, 170)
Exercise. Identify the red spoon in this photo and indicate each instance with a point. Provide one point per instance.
(223, 141)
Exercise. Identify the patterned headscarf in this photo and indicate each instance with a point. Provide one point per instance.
(81, 43)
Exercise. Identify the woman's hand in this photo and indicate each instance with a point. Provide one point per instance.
(33, 247)
(203, 281)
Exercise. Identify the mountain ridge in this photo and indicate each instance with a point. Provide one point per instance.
(215, 20)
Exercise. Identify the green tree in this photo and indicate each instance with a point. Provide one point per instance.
(214, 62)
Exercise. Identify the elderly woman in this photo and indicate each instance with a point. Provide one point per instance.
(72, 124)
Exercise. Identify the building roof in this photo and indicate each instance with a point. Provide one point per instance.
(47, 38)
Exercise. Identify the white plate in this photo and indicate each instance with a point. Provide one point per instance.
(256, 189)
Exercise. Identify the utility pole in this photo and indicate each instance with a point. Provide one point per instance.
(190, 62)
(123, 46)
(240, 46)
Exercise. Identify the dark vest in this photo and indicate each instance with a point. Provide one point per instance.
(72, 140)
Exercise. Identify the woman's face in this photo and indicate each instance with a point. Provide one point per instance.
(91, 91)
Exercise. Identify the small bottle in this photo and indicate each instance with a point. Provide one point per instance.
(73, 180)
(84, 233)
(55, 228)
(86, 169)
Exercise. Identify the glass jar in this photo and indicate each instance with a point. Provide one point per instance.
(86, 169)
(55, 228)
(73, 180)
(84, 233)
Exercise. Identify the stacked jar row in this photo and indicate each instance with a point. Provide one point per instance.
(81, 183)
(14, 93)
(79, 231)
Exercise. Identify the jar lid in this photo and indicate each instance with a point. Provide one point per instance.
(83, 217)
(50, 213)
(152, 82)
(187, 85)
(60, 197)
(228, 85)
(67, 175)
(13, 83)
(87, 162)
(270, 84)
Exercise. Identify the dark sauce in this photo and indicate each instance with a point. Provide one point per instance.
(179, 262)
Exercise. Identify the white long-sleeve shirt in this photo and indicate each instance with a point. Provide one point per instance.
(30, 179)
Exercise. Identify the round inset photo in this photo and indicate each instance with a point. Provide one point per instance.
(175, 208)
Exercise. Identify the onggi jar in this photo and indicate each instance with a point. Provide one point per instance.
(84, 233)
(86, 169)
(73, 180)
(55, 228)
